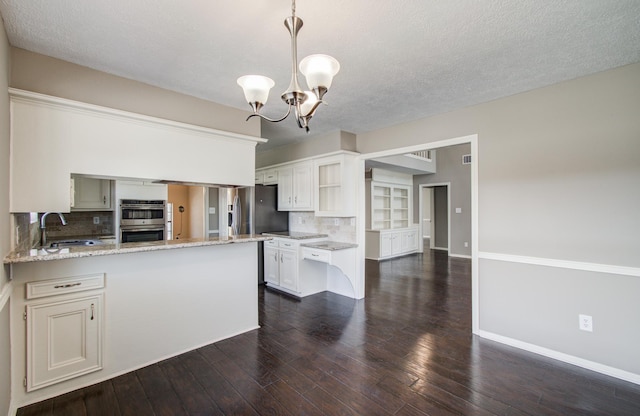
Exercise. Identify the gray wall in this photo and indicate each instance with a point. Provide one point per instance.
(559, 179)
(440, 217)
(5, 220)
(306, 147)
(449, 168)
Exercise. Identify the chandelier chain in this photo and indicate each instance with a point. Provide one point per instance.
(293, 7)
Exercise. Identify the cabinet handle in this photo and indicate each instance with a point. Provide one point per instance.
(66, 286)
(315, 255)
(295, 199)
(104, 200)
(275, 256)
(281, 261)
(92, 311)
(289, 199)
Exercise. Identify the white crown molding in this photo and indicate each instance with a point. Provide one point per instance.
(564, 264)
(34, 97)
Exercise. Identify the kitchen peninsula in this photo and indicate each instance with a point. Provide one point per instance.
(80, 315)
(92, 313)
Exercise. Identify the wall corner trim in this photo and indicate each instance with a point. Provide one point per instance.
(564, 264)
(5, 294)
(556, 355)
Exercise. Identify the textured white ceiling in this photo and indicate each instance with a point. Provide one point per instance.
(400, 60)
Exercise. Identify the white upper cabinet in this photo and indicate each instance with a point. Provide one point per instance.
(295, 187)
(53, 137)
(90, 193)
(335, 186)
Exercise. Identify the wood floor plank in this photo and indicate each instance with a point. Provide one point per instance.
(216, 386)
(101, 399)
(132, 399)
(192, 395)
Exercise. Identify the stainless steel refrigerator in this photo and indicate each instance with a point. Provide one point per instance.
(255, 210)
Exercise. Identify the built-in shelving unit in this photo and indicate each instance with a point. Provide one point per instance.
(390, 230)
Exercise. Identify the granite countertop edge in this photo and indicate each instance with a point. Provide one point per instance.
(294, 235)
(330, 245)
(34, 255)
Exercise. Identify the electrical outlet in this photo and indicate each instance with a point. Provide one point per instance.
(353, 221)
(299, 220)
(585, 323)
(96, 220)
(466, 244)
(336, 221)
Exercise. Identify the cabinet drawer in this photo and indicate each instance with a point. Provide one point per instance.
(271, 243)
(323, 256)
(288, 244)
(65, 285)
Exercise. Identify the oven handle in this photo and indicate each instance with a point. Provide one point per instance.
(145, 207)
(134, 228)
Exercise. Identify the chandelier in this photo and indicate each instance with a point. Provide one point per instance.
(318, 70)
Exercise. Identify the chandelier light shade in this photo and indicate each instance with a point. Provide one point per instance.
(256, 89)
(318, 70)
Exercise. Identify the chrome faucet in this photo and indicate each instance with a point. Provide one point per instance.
(43, 227)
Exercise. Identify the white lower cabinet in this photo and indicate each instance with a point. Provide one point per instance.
(283, 267)
(64, 331)
(382, 244)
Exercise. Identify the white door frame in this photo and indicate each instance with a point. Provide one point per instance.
(432, 238)
(361, 225)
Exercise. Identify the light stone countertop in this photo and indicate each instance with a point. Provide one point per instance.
(330, 245)
(294, 235)
(41, 254)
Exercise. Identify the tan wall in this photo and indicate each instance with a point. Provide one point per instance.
(5, 221)
(558, 181)
(179, 195)
(46, 75)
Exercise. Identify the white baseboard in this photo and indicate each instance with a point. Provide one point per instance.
(462, 256)
(556, 355)
(12, 409)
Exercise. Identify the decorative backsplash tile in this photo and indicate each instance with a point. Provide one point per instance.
(307, 222)
(79, 224)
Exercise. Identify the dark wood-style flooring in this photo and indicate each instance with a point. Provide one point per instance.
(406, 349)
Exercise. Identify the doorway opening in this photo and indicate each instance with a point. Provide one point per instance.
(434, 214)
(471, 244)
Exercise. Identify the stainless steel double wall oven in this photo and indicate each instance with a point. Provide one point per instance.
(142, 220)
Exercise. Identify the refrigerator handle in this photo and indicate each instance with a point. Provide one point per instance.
(237, 211)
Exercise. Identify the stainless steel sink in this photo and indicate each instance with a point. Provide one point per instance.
(75, 243)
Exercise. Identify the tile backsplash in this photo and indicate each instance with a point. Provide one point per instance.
(307, 222)
(79, 224)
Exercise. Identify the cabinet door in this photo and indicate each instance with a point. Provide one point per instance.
(90, 193)
(289, 270)
(386, 244)
(303, 187)
(271, 265)
(409, 240)
(396, 243)
(285, 189)
(64, 340)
